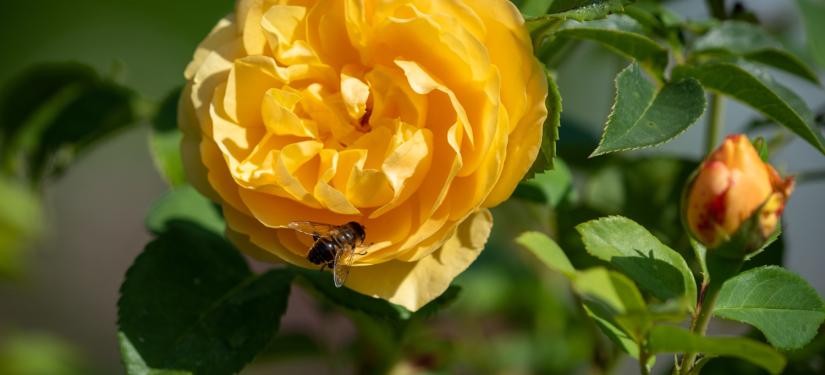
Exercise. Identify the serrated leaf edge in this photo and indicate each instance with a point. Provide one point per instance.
(599, 152)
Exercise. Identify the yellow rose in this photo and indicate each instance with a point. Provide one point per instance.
(409, 117)
(731, 185)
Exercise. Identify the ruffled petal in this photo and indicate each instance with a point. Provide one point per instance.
(414, 284)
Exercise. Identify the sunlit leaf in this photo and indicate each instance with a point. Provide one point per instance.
(616, 304)
(533, 8)
(669, 339)
(547, 251)
(643, 116)
(21, 221)
(755, 89)
(38, 353)
(190, 303)
(548, 187)
(184, 203)
(634, 251)
(134, 363)
(776, 301)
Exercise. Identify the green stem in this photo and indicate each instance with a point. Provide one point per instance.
(700, 322)
(715, 124)
(719, 270)
(644, 357)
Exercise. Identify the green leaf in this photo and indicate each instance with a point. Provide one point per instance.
(190, 303)
(533, 8)
(616, 305)
(752, 42)
(813, 16)
(165, 141)
(550, 134)
(60, 119)
(350, 299)
(184, 203)
(621, 34)
(757, 90)
(783, 60)
(735, 37)
(644, 117)
(134, 363)
(776, 301)
(30, 90)
(611, 289)
(547, 251)
(669, 339)
(583, 10)
(548, 187)
(655, 17)
(21, 221)
(100, 111)
(634, 251)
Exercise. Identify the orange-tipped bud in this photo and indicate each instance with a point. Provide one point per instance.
(731, 185)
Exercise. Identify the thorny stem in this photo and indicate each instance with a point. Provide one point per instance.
(717, 113)
(720, 270)
(699, 325)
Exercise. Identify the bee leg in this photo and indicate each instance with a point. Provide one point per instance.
(323, 267)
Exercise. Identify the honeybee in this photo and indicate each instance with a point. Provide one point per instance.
(334, 245)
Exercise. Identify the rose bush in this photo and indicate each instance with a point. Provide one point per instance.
(732, 184)
(409, 117)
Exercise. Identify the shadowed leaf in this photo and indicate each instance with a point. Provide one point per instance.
(190, 303)
(641, 256)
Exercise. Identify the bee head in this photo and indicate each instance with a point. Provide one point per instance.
(358, 229)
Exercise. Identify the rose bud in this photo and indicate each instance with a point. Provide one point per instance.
(733, 186)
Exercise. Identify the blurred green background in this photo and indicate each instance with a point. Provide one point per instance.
(510, 317)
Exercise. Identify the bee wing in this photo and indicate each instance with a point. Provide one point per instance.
(311, 228)
(342, 264)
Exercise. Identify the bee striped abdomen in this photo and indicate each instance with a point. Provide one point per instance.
(322, 252)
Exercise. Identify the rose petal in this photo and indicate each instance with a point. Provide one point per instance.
(414, 284)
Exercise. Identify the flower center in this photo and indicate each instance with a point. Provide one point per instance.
(364, 122)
